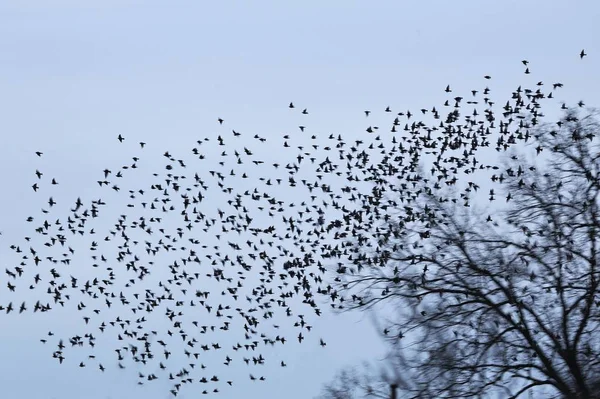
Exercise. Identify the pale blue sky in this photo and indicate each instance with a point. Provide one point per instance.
(74, 75)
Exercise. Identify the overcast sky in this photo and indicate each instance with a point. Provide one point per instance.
(75, 74)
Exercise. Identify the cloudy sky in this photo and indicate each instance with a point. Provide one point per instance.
(74, 75)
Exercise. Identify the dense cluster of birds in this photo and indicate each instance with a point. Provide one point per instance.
(223, 243)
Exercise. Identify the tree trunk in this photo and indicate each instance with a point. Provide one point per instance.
(393, 388)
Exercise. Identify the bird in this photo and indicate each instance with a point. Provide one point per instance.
(582, 54)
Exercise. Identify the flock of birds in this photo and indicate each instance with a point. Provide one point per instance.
(169, 297)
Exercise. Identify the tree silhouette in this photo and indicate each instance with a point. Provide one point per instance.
(381, 379)
(502, 301)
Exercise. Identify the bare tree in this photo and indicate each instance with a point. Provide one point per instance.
(371, 381)
(503, 302)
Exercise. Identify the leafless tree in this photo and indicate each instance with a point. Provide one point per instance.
(497, 301)
(371, 381)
